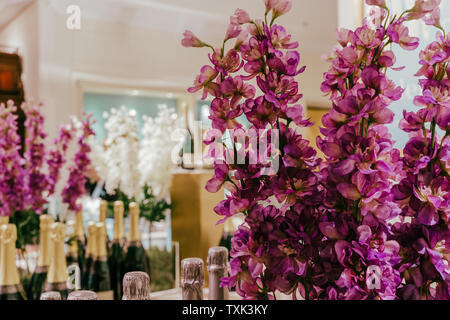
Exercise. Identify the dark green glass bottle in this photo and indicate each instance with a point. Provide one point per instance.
(100, 279)
(89, 258)
(102, 218)
(116, 254)
(135, 258)
(39, 276)
(81, 241)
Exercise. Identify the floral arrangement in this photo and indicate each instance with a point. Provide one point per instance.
(424, 193)
(362, 167)
(75, 188)
(121, 153)
(155, 154)
(27, 182)
(366, 223)
(270, 251)
(134, 170)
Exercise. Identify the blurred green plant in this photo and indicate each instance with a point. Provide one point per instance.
(162, 269)
(151, 208)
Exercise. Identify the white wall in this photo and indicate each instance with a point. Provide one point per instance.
(128, 54)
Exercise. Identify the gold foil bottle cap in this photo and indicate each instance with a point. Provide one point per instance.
(57, 272)
(4, 220)
(45, 221)
(9, 275)
(90, 241)
(192, 279)
(135, 233)
(119, 232)
(92, 247)
(136, 286)
(79, 229)
(217, 258)
(51, 295)
(103, 210)
(82, 295)
(101, 240)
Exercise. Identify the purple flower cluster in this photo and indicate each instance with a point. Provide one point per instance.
(26, 182)
(424, 194)
(75, 187)
(271, 251)
(35, 154)
(13, 186)
(368, 222)
(361, 167)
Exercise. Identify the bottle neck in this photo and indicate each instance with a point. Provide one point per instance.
(44, 248)
(135, 233)
(4, 220)
(57, 272)
(9, 274)
(103, 209)
(119, 232)
(79, 228)
(101, 244)
(92, 249)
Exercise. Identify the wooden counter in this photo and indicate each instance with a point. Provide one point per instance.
(193, 218)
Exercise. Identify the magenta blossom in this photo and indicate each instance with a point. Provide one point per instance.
(379, 3)
(204, 80)
(190, 40)
(241, 17)
(424, 194)
(75, 186)
(268, 168)
(399, 33)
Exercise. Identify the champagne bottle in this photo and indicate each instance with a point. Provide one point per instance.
(82, 295)
(101, 281)
(135, 257)
(116, 256)
(93, 248)
(90, 250)
(57, 275)
(81, 240)
(51, 295)
(217, 269)
(40, 273)
(102, 218)
(136, 286)
(10, 286)
(192, 279)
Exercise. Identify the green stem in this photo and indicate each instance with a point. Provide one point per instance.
(442, 141)
(424, 130)
(362, 127)
(433, 134)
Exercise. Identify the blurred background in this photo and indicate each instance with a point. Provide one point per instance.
(128, 53)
